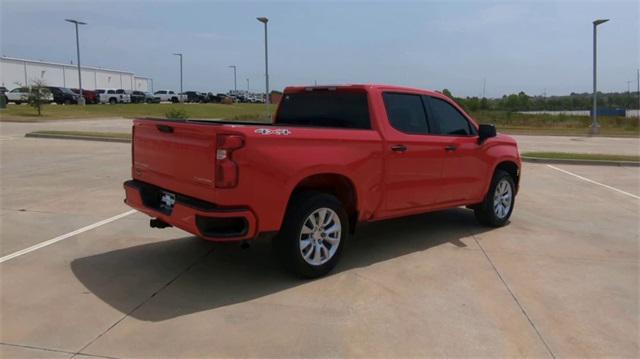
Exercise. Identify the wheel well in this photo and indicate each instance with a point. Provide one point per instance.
(337, 185)
(512, 169)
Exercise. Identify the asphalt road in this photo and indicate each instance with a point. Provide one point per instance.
(561, 280)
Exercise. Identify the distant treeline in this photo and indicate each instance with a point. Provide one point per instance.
(524, 102)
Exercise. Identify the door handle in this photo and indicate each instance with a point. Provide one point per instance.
(399, 148)
(449, 148)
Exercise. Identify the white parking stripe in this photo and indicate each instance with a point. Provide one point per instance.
(594, 182)
(65, 236)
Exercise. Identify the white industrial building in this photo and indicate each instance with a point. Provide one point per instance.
(19, 72)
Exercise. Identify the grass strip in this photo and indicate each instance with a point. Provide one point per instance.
(93, 134)
(581, 156)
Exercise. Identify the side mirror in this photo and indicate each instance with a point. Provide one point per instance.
(486, 131)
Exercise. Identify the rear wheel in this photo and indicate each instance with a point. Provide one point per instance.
(312, 236)
(113, 101)
(498, 204)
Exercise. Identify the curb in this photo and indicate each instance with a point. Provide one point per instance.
(78, 137)
(581, 162)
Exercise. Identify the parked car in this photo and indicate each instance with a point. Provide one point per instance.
(90, 97)
(113, 96)
(136, 96)
(333, 157)
(213, 98)
(21, 94)
(151, 98)
(170, 96)
(194, 96)
(63, 95)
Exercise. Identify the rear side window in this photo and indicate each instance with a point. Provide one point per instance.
(324, 108)
(406, 113)
(447, 120)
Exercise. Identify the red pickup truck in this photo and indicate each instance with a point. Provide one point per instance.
(333, 157)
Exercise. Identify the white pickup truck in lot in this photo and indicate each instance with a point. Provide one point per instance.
(171, 96)
(113, 96)
(21, 94)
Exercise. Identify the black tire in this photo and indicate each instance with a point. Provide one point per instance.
(485, 211)
(287, 242)
(113, 101)
(67, 102)
(174, 100)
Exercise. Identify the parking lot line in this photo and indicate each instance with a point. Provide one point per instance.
(65, 236)
(594, 182)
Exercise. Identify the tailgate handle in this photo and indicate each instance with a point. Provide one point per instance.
(165, 128)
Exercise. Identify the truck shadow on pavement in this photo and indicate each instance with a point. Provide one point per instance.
(172, 278)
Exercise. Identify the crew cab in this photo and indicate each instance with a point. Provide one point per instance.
(170, 96)
(113, 96)
(332, 157)
(21, 94)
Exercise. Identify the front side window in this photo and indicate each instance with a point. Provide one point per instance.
(447, 120)
(111, 92)
(406, 113)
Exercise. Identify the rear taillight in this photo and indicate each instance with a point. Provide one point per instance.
(226, 168)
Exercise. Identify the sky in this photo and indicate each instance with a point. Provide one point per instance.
(533, 46)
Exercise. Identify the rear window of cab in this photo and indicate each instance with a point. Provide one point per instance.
(325, 108)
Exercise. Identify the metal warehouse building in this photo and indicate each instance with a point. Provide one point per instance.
(18, 72)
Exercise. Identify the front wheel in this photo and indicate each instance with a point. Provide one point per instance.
(498, 204)
(312, 236)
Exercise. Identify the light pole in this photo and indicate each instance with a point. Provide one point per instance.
(265, 20)
(595, 127)
(180, 54)
(235, 82)
(76, 22)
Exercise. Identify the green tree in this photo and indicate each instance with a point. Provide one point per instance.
(447, 93)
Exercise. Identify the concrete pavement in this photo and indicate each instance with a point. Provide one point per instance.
(561, 280)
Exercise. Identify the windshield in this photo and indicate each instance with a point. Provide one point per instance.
(324, 108)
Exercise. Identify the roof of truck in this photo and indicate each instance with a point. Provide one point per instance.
(359, 86)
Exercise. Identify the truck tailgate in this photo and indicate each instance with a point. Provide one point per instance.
(174, 152)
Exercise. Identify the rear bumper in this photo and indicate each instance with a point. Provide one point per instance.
(201, 218)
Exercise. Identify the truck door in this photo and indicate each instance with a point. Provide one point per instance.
(463, 168)
(414, 158)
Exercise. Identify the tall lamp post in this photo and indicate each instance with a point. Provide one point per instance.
(265, 20)
(595, 127)
(76, 22)
(180, 54)
(235, 81)
(247, 85)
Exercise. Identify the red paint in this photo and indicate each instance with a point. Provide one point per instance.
(263, 168)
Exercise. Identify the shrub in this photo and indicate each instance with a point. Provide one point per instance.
(177, 114)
